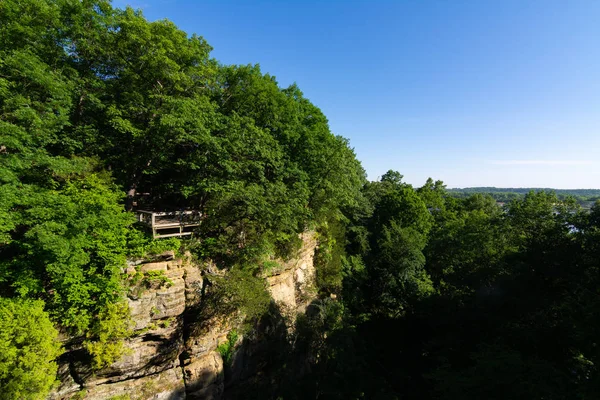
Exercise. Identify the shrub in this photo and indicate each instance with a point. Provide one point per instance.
(105, 342)
(240, 290)
(156, 279)
(28, 348)
(226, 349)
(145, 247)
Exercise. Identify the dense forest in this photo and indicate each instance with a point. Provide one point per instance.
(423, 294)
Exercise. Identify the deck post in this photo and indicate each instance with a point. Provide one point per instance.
(153, 224)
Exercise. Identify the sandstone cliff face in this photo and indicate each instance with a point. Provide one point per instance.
(293, 286)
(168, 359)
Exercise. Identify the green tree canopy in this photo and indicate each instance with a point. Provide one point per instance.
(28, 348)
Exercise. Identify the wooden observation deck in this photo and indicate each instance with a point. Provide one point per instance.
(170, 224)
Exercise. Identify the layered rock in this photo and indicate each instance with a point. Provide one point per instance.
(165, 385)
(204, 376)
(292, 286)
(168, 358)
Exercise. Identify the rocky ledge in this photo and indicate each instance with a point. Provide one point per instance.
(166, 359)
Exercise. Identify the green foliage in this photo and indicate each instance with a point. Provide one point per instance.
(467, 248)
(287, 246)
(462, 298)
(269, 266)
(99, 104)
(80, 395)
(329, 257)
(324, 318)
(442, 294)
(140, 282)
(144, 247)
(241, 291)
(226, 349)
(121, 397)
(28, 348)
(105, 339)
(156, 279)
(165, 323)
(585, 197)
(70, 246)
(399, 228)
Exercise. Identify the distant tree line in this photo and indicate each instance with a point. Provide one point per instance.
(584, 196)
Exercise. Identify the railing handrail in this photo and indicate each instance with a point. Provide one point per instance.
(164, 213)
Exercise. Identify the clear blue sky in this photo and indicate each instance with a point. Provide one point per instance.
(475, 93)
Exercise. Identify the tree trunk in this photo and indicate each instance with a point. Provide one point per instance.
(129, 202)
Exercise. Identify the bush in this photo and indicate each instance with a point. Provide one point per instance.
(227, 348)
(28, 348)
(240, 290)
(106, 337)
(329, 257)
(143, 246)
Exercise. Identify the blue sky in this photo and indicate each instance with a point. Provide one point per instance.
(475, 93)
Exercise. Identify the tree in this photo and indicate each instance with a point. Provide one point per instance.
(28, 348)
(399, 228)
(69, 249)
(467, 245)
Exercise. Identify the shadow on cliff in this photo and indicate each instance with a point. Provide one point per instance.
(276, 356)
(272, 361)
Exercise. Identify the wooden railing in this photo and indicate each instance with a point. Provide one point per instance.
(170, 224)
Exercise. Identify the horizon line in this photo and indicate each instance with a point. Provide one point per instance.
(518, 187)
(541, 162)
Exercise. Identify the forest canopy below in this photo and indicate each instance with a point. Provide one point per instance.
(435, 296)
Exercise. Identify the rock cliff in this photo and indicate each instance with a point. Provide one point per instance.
(167, 357)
